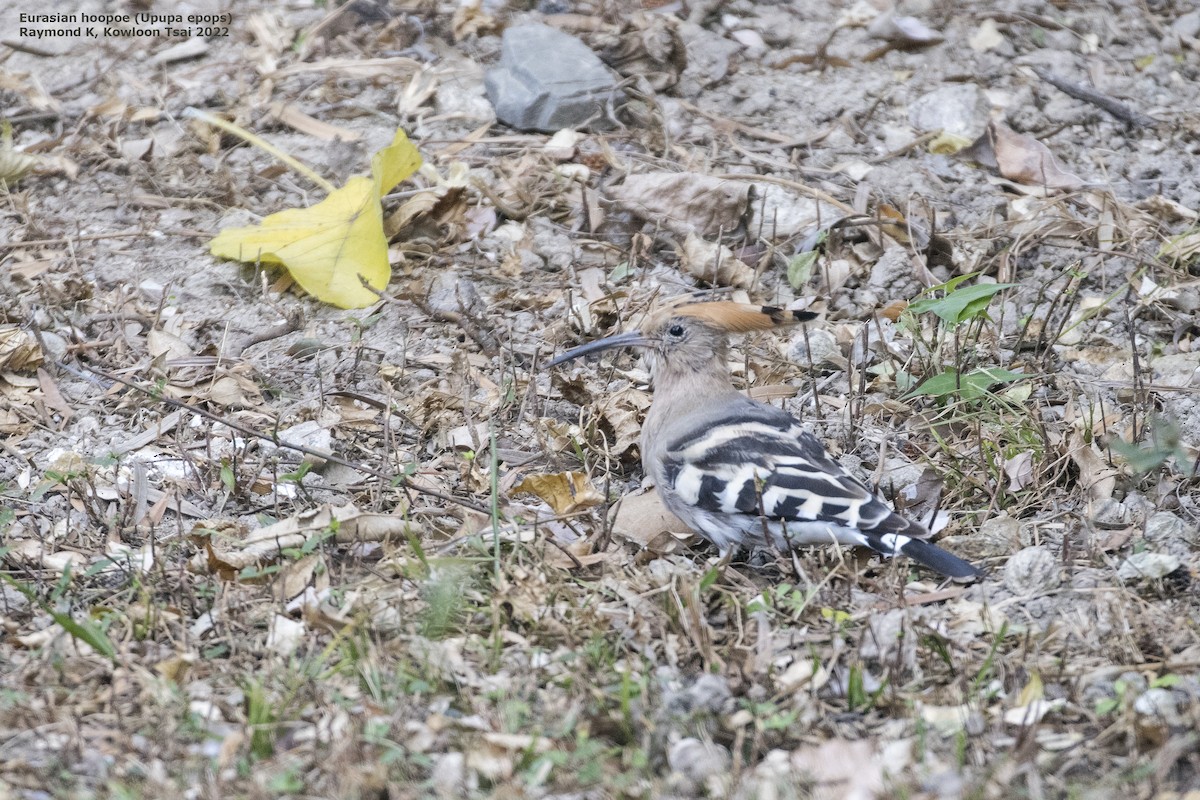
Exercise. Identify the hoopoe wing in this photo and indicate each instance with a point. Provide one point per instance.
(755, 460)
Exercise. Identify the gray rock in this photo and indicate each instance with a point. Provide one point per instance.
(709, 694)
(1032, 571)
(1160, 704)
(449, 776)
(1187, 25)
(1167, 533)
(1000, 535)
(960, 109)
(710, 59)
(817, 347)
(893, 274)
(1147, 565)
(695, 761)
(1177, 369)
(1183, 31)
(1111, 514)
(548, 80)
(311, 434)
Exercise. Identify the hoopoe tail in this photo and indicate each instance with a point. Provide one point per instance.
(921, 551)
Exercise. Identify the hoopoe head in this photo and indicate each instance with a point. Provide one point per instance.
(690, 338)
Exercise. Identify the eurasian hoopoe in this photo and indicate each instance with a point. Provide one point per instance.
(736, 470)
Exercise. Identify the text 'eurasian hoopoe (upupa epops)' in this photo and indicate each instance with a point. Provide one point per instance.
(736, 470)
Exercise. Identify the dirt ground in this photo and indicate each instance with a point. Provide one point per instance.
(446, 607)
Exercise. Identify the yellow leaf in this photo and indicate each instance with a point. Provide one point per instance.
(947, 144)
(1032, 690)
(394, 163)
(13, 164)
(327, 247)
(565, 492)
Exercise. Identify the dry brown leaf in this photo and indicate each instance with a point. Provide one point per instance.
(642, 518)
(493, 764)
(1095, 475)
(1181, 249)
(1032, 704)
(296, 576)
(684, 202)
(51, 397)
(1019, 470)
(649, 46)
(565, 492)
(189, 48)
(295, 118)
(29, 88)
(232, 390)
(422, 86)
(1167, 209)
(363, 68)
(13, 164)
(19, 350)
(842, 769)
(714, 263)
(471, 20)
(623, 411)
(175, 668)
(440, 205)
(230, 547)
(1021, 158)
(112, 107)
(160, 344)
(39, 555)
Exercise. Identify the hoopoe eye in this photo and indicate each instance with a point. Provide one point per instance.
(675, 331)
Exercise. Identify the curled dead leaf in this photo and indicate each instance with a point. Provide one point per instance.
(13, 164)
(684, 202)
(230, 547)
(714, 263)
(1020, 158)
(19, 350)
(1097, 478)
(642, 518)
(623, 412)
(565, 492)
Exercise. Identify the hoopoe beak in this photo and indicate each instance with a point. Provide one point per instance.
(629, 339)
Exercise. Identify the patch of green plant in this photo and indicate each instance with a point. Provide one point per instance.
(800, 267)
(969, 386)
(1108, 705)
(287, 781)
(91, 632)
(228, 476)
(119, 790)
(768, 716)
(958, 305)
(261, 718)
(584, 763)
(297, 476)
(785, 600)
(1164, 445)
(986, 670)
(445, 598)
(949, 360)
(857, 696)
(377, 733)
(840, 619)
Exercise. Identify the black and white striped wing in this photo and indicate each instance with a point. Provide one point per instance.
(755, 461)
(767, 465)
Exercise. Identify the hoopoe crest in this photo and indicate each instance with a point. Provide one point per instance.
(740, 472)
